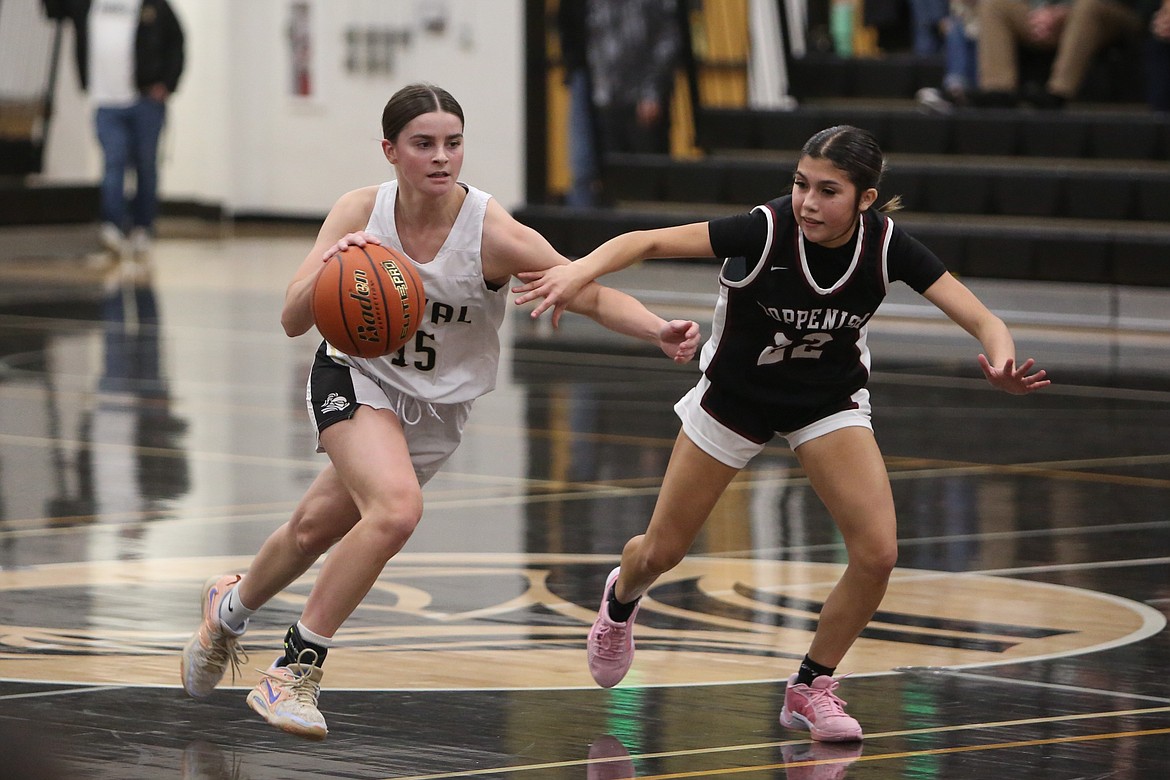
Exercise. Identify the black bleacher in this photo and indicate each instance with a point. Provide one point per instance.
(1077, 195)
(23, 202)
(950, 185)
(1113, 76)
(1120, 134)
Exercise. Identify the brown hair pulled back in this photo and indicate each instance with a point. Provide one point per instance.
(414, 100)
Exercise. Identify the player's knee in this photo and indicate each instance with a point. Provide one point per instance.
(313, 534)
(876, 562)
(390, 524)
(318, 523)
(658, 558)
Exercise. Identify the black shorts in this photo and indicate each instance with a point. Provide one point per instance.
(733, 431)
(331, 394)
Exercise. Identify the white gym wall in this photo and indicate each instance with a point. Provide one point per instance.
(237, 136)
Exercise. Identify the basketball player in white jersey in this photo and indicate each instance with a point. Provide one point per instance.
(388, 424)
(804, 274)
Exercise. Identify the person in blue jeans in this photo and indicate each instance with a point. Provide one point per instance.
(129, 60)
(926, 19)
(960, 31)
(586, 180)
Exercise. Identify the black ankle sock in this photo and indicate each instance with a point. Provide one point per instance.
(295, 645)
(810, 670)
(618, 611)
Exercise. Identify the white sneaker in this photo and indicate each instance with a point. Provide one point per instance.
(112, 238)
(139, 241)
(213, 647)
(934, 100)
(287, 697)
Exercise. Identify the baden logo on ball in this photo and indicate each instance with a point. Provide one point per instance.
(373, 324)
(367, 301)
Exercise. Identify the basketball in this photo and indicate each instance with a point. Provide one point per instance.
(368, 301)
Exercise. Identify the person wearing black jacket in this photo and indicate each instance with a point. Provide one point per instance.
(129, 57)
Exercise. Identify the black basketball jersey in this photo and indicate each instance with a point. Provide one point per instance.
(779, 335)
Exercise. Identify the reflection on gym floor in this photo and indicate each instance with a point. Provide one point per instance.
(154, 432)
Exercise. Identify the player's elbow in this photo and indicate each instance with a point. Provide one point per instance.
(294, 326)
(989, 328)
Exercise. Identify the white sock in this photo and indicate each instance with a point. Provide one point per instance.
(309, 636)
(233, 614)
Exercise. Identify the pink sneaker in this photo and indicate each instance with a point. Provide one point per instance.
(610, 647)
(816, 709)
(609, 760)
(819, 760)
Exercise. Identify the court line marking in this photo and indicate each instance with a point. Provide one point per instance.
(586, 491)
(1152, 621)
(64, 692)
(947, 672)
(868, 739)
(917, 753)
(1084, 566)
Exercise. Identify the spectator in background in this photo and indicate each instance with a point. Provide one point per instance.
(129, 60)
(1158, 54)
(633, 50)
(583, 190)
(927, 26)
(1076, 30)
(961, 39)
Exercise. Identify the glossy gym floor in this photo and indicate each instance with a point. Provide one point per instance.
(154, 432)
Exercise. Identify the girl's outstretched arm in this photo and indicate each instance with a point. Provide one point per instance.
(999, 361)
(558, 286)
(512, 249)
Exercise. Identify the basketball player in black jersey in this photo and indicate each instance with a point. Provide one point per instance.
(788, 354)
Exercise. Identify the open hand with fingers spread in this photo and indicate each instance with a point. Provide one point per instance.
(1014, 380)
(557, 286)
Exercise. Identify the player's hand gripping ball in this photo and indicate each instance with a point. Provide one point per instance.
(368, 300)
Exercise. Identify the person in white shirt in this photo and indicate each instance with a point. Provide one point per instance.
(129, 60)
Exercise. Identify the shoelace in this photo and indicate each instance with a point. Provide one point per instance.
(304, 689)
(226, 650)
(827, 703)
(610, 641)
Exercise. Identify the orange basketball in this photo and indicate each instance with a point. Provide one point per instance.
(368, 301)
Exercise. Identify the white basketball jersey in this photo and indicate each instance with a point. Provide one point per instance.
(456, 352)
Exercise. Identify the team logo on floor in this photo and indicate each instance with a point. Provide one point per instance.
(459, 621)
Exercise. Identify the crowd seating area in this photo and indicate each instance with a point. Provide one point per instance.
(1076, 195)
